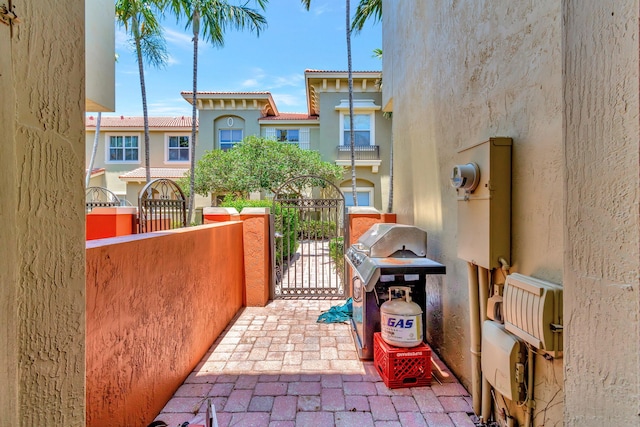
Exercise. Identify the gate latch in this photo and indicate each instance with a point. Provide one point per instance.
(8, 15)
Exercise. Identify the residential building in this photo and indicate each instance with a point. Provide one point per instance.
(225, 118)
(119, 164)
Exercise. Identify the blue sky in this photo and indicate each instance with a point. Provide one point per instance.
(295, 40)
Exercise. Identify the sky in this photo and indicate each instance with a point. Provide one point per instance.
(295, 40)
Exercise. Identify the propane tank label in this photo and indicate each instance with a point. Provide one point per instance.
(401, 328)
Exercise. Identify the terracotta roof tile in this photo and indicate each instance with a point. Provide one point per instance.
(207, 92)
(138, 122)
(289, 116)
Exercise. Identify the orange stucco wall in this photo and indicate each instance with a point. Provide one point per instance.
(257, 259)
(155, 304)
(100, 226)
(360, 223)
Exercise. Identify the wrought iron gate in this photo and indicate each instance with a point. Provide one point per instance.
(308, 248)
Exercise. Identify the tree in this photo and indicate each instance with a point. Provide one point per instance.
(257, 164)
(352, 140)
(139, 20)
(367, 9)
(215, 16)
(94, 150)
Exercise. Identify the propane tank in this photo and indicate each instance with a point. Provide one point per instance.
(401, 319)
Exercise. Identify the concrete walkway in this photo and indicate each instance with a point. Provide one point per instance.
(275, 366)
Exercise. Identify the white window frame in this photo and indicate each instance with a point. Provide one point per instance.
(167, 138)
(369, 190)
(107, 145)
(372, 125)
(229, 129)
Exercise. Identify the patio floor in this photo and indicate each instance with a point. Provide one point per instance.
(275, 366)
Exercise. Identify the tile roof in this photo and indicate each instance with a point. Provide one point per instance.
(339, 71)
(155, 173)
(138, 122)
(207, 92)
(289, 116)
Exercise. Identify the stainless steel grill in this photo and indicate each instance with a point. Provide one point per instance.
(386, 255)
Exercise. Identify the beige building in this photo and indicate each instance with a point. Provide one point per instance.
(225, 118)
(119, 163)
(561, 79)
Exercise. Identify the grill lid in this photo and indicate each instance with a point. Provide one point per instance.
(384, 240)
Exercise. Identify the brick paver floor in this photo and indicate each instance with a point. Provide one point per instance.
(275, 366)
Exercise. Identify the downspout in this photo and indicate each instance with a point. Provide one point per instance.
(528, 421)
(484, 280)
(474, 319)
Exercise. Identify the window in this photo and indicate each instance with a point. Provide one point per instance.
(178, 148)
(362, 130)
(229, 137)
(288, 135)
(123, 148)
(365, 196)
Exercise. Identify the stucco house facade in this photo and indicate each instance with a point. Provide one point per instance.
(561, 79)
(119, 163)
(225, 118)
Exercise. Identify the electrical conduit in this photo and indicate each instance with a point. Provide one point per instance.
(474, 318)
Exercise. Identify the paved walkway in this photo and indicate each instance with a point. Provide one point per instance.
(275, 366)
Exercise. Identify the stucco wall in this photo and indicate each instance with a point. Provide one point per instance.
(42, 254)
(147, 327)
(465, 71)
(602, 362)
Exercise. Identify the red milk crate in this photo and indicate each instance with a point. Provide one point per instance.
(402, 367)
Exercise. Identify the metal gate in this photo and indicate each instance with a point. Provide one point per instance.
(308, 248)
(161, 206)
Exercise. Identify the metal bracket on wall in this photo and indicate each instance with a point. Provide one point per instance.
(8, 15)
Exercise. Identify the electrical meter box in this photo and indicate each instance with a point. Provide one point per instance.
(482, 179)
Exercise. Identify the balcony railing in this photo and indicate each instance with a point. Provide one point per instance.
(362, 152)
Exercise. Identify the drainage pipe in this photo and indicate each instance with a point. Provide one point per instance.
(528, 421)
(484, 280)
(474, 320)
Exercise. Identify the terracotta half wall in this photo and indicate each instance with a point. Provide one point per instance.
(155, 304)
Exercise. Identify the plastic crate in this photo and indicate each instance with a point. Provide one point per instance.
(402, 367)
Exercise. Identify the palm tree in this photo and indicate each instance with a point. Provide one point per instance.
(215, 16)
(372, 9)
(366, 9)
(139, 20)
(307, 4)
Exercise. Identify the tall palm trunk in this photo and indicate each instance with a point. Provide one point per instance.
(192, 148)
(94, 151)
(390, 207)
(351, 121)
(143, 90)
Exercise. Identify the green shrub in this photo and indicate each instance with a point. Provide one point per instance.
(336, 252)
(318, 230)
(286, 223)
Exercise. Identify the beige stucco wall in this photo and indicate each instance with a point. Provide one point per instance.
(463, 72)
(602, 362)
(561, 79)
(42, 252)
(100, 63)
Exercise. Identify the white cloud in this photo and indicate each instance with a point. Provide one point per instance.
(177, 38)
(170, 107)
(250, 83)
(172, 60)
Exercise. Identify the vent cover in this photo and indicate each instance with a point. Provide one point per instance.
(531, 307)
